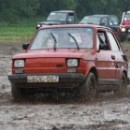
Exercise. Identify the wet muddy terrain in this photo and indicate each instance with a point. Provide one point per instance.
(107, 112)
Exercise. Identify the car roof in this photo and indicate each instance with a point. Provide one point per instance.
(63, 11)
(74, 25)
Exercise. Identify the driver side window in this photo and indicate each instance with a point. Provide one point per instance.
(103, 41)
(114, 44)
(70, 18)
(104, 21)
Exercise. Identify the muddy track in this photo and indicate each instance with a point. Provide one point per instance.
(40, 113)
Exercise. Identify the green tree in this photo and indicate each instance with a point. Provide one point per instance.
(11, 10)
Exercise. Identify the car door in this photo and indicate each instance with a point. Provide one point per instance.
(120, 58)
(105, 59)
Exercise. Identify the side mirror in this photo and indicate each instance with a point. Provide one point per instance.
(25, 46)
(38, 26)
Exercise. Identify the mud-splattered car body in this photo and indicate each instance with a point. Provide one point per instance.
(69, 61)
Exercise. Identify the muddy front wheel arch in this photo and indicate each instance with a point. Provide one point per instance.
(88, 90)
(18, 92)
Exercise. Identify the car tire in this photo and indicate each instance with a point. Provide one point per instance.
(88, 89)
(122, 88)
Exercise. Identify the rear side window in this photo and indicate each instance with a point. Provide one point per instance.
(114, 44)
(103, 40)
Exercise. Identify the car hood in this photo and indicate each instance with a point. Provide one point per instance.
(48, 54)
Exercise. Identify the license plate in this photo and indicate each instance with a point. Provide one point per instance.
(44, 79)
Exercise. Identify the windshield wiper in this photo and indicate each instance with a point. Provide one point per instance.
(77, 45)
(55, 42)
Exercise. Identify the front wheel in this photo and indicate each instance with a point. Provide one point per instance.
(18, 93)
(88, 90)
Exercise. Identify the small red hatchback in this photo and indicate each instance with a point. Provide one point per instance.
(88, 58)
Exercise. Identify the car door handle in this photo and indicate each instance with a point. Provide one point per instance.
(113, 57)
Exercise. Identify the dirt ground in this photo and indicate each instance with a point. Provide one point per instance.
(108, 112)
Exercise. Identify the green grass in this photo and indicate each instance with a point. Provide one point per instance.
(23, 34)
(16, 34)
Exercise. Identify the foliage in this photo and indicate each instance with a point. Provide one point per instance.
(11, 11)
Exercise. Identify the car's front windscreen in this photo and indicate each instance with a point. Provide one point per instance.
(114, 20)
(63, 38)
(57, 16)
(91, 20)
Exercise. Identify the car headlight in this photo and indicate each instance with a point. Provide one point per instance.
(72, 62)
(38, 25)
(19, 63)
(123, 29)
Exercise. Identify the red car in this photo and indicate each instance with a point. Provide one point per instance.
(85, 58)
(124, 28)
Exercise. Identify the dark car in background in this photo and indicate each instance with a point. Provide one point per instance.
(105, 20)
(59, 17)
(111, 21)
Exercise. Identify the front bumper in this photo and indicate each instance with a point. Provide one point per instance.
(124, 35)
(66, 80)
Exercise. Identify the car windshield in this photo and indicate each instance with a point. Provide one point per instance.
(114, 20)
(55, 38)
(91, 20)
(57, 16)
(96, 20)
(127, 16)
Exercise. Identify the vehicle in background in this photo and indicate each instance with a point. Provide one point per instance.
(104, 20)
(124, 29)
(59, 17)
(81, 58)
(110, 21)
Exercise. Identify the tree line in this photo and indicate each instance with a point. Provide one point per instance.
(13, 10)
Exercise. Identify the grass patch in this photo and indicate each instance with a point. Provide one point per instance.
(16, 34)
(22, 34)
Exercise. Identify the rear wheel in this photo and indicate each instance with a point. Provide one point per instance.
(122, 88)
(88, 90)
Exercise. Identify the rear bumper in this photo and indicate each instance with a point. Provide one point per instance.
(67, 80)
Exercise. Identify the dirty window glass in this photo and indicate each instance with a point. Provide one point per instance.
(63, 38)
(91, 20)
(113, 42)
(57, 16)
(127, 16)
(104, 21)
(114, 20)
